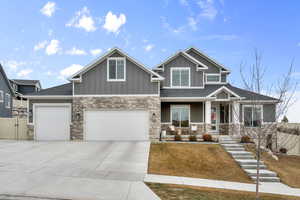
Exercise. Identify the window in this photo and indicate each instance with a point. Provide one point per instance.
(212, 78)
(116, 69)
(1, 96)
(180, 115)
(7, 100)
(180, 77)
(252, 115)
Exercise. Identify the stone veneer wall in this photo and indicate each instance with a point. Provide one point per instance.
(148, 103)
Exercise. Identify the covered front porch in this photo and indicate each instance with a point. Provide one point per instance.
(216, 117)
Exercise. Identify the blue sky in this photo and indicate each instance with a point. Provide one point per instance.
(49, 40)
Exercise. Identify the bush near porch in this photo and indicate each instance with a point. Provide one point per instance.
(207, 161)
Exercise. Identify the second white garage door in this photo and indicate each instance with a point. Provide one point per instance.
(116, 125)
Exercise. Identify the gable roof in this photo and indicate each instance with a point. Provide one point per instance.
(196, 50)
(60, 90)
(112, 51)
(186, 55)
(26, 82)
(6, 80)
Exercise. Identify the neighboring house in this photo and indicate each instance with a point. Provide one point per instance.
(23, 87)
(6, 95)
(118, 98)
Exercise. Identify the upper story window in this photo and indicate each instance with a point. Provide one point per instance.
(213, 78)
(116, 69)
(180, 77)
(1, 96)
(7, 100)
(252, 115)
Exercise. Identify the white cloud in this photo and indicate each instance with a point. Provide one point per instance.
(40, 45)
(95, 52)
(113, 23)
(48, 9)
(84, 20)
(49, 73)
(208, 9)
(13, 64)
(149, 47)
(167, 26)
(24, 73)
(53, 47)
(68, 71)
(75, 51)
(192, 22)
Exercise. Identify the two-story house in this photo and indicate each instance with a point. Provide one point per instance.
(6, 95)
(118, 98)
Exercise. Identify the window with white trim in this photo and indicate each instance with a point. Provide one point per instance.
(7, 100)
(180, 115)
(180, 77)
(252, 115)
(1, 96)
(213, 78)
(116, 69)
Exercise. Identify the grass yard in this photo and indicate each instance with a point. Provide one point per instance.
(207, 161)
(172, 192)
(287, 167)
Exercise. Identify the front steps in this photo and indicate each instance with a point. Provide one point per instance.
(247, 160)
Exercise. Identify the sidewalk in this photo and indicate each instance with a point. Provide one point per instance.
(273, 188)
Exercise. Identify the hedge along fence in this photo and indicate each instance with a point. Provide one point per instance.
(13, 128)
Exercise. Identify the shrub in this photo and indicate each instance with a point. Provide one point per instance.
(283, 150)
(245, 139)
(207, 138)
(193, 138)
(177, 138)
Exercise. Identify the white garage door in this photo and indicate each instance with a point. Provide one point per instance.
(52, 122)
(116, 125)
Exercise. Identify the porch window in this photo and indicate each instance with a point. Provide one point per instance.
(180, 115)
(180, 77)
(116, 69)
(252, 115)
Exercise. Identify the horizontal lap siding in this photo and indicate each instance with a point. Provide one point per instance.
(5, 112)
(196, 111)
(94, 81)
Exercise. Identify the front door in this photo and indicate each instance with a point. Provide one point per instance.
(214, 118)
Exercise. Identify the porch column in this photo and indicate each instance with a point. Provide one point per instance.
(207, 115)
(235, 118)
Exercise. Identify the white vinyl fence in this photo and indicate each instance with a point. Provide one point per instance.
(13, 129)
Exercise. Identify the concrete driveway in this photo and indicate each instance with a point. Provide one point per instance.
(75, 170)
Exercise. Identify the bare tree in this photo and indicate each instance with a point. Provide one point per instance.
(253, 79)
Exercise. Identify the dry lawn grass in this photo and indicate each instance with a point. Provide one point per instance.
(207, 161)
(172, 192)
(287, 167)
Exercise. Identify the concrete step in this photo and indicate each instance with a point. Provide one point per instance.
(248, 162)
(232, 145)
(266, 179)
(235, 153)
(263, 173)
(253, 167)
(235, 149)
(228, 142)
(243, 157)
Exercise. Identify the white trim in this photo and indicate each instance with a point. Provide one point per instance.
(183, 99)
(104, 56)
(213, 82)
(180, 68)
(107, 69)
(191, 87)
(165, 123)
(28, 113)
(251, 106)
(1, 96)
(7, 102)
(49, 97)
(178, 106)
(34, 105)
(258, 101)
(118, 95)
(223, 88)
(201, 53)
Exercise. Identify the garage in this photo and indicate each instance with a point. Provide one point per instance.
(52, 121)
(116, 125)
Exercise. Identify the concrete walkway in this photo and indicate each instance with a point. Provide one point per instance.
(75, 170)
(272, 188)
